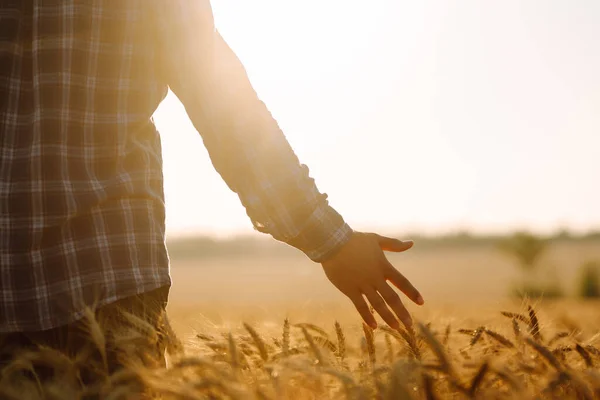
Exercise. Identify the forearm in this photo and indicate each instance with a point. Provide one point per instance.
(251, 153)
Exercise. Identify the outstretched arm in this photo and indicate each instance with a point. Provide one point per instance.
(244, 142)
(256, 161)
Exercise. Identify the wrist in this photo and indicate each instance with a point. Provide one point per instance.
(343, 237)
(324, 234)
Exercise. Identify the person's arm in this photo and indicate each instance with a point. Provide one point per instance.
(244, 142)
(256, 161)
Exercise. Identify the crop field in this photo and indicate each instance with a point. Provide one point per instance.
(274, 328)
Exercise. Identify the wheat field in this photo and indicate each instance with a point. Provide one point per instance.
(275, 329)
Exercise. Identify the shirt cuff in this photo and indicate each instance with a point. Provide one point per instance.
(324, 234)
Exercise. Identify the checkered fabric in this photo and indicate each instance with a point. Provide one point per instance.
(82, 215)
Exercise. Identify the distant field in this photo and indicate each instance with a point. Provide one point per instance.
(468, 276)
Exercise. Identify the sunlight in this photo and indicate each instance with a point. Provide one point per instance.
(406, 116)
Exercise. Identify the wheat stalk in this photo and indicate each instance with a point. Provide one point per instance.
(285, 339)
(313, 346)
(370, 343)
(341, 339)
(534, 324)
(258, 342)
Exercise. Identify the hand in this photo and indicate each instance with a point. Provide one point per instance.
(361, 268)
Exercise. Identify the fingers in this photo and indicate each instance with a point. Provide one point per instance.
(381, 308)
(398, 280)
(395, 245)
(394, 302)
(363, 309)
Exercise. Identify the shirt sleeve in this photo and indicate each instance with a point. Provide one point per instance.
(245, 143)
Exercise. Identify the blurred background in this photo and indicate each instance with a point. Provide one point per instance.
(471, 127)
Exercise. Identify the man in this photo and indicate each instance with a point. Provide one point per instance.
(81, 192)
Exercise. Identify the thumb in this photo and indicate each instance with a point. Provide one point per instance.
(395, 245)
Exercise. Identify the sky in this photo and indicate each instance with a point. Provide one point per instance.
(413, 116)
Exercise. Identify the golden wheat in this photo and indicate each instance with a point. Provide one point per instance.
(429, 362)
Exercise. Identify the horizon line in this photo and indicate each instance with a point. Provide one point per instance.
(189, 234)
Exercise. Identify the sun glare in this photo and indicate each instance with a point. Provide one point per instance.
(411, 116)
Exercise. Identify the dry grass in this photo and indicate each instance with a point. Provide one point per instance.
(546, 357)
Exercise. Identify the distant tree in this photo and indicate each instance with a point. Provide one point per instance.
(589, 280)
(592, 235)
(563, 234)
(526, 248)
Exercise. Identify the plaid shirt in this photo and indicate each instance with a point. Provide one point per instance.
(81, 189)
